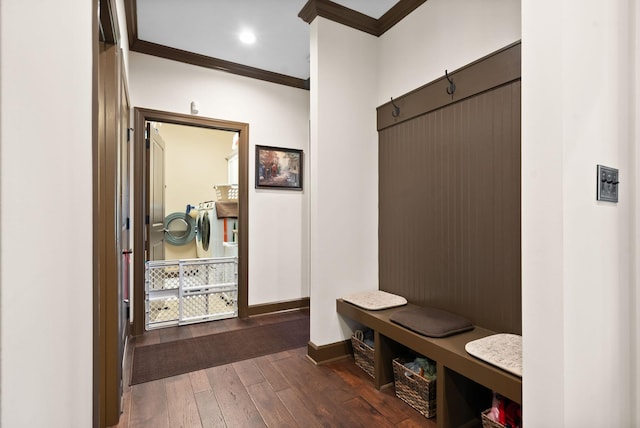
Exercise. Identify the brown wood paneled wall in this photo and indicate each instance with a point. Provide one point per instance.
(449, 211)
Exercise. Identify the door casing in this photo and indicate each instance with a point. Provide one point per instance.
(140, 196)
(110, 123)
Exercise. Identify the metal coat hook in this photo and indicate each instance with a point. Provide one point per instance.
(396, 109)
(452, 86)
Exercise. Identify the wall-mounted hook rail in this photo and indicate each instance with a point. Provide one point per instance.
(396, 110)
(452, 86)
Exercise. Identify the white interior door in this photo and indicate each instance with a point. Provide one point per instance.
(156, 194)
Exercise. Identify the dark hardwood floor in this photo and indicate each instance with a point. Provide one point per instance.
(278, 390)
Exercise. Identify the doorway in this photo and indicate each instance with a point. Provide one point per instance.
(191, 263)
(141, 193)
(193, 172)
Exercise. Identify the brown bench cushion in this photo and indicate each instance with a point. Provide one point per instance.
(431, 322)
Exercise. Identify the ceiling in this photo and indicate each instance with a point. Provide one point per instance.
(206, 32)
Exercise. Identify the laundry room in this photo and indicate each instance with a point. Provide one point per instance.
(196, 161)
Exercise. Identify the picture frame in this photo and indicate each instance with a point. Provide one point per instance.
(278, 168)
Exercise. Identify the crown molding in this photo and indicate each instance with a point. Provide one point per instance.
(162, 51)
(314, 8)
(397, 13)
(338, 13)
(187, 57)
(359, 21)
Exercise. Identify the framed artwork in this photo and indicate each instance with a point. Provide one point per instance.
(278, 168)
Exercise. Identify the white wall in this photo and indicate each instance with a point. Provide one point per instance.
(443, 35)
(46, 219)
(579, 255)
(278, 116)
(195, 161)
(344, 172)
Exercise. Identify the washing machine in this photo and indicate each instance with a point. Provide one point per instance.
(210, 234)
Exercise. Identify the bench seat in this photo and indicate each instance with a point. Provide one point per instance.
(454, 364)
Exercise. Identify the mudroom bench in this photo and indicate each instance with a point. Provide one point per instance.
(464, 383)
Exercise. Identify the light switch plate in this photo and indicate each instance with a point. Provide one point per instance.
(607, 184)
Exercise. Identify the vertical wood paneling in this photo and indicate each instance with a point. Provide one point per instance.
(449, 220)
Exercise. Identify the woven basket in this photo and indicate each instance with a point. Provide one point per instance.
(415, 390)
(363, 355)
(488, 423)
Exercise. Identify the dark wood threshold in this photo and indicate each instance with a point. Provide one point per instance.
(329, 353)
(267, 308)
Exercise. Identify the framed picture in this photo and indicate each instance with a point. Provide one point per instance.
(278, 168)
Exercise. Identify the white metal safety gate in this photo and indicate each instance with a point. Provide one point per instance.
(179, 292)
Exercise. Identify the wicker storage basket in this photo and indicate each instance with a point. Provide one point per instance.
(488, 423)
(413, 389)
(363, 355)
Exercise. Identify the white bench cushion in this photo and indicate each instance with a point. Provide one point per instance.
(503, 350)
(375, 300)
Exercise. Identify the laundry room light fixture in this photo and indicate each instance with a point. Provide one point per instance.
(247, 37)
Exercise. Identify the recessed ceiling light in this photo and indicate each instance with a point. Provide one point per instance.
(247, 37)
